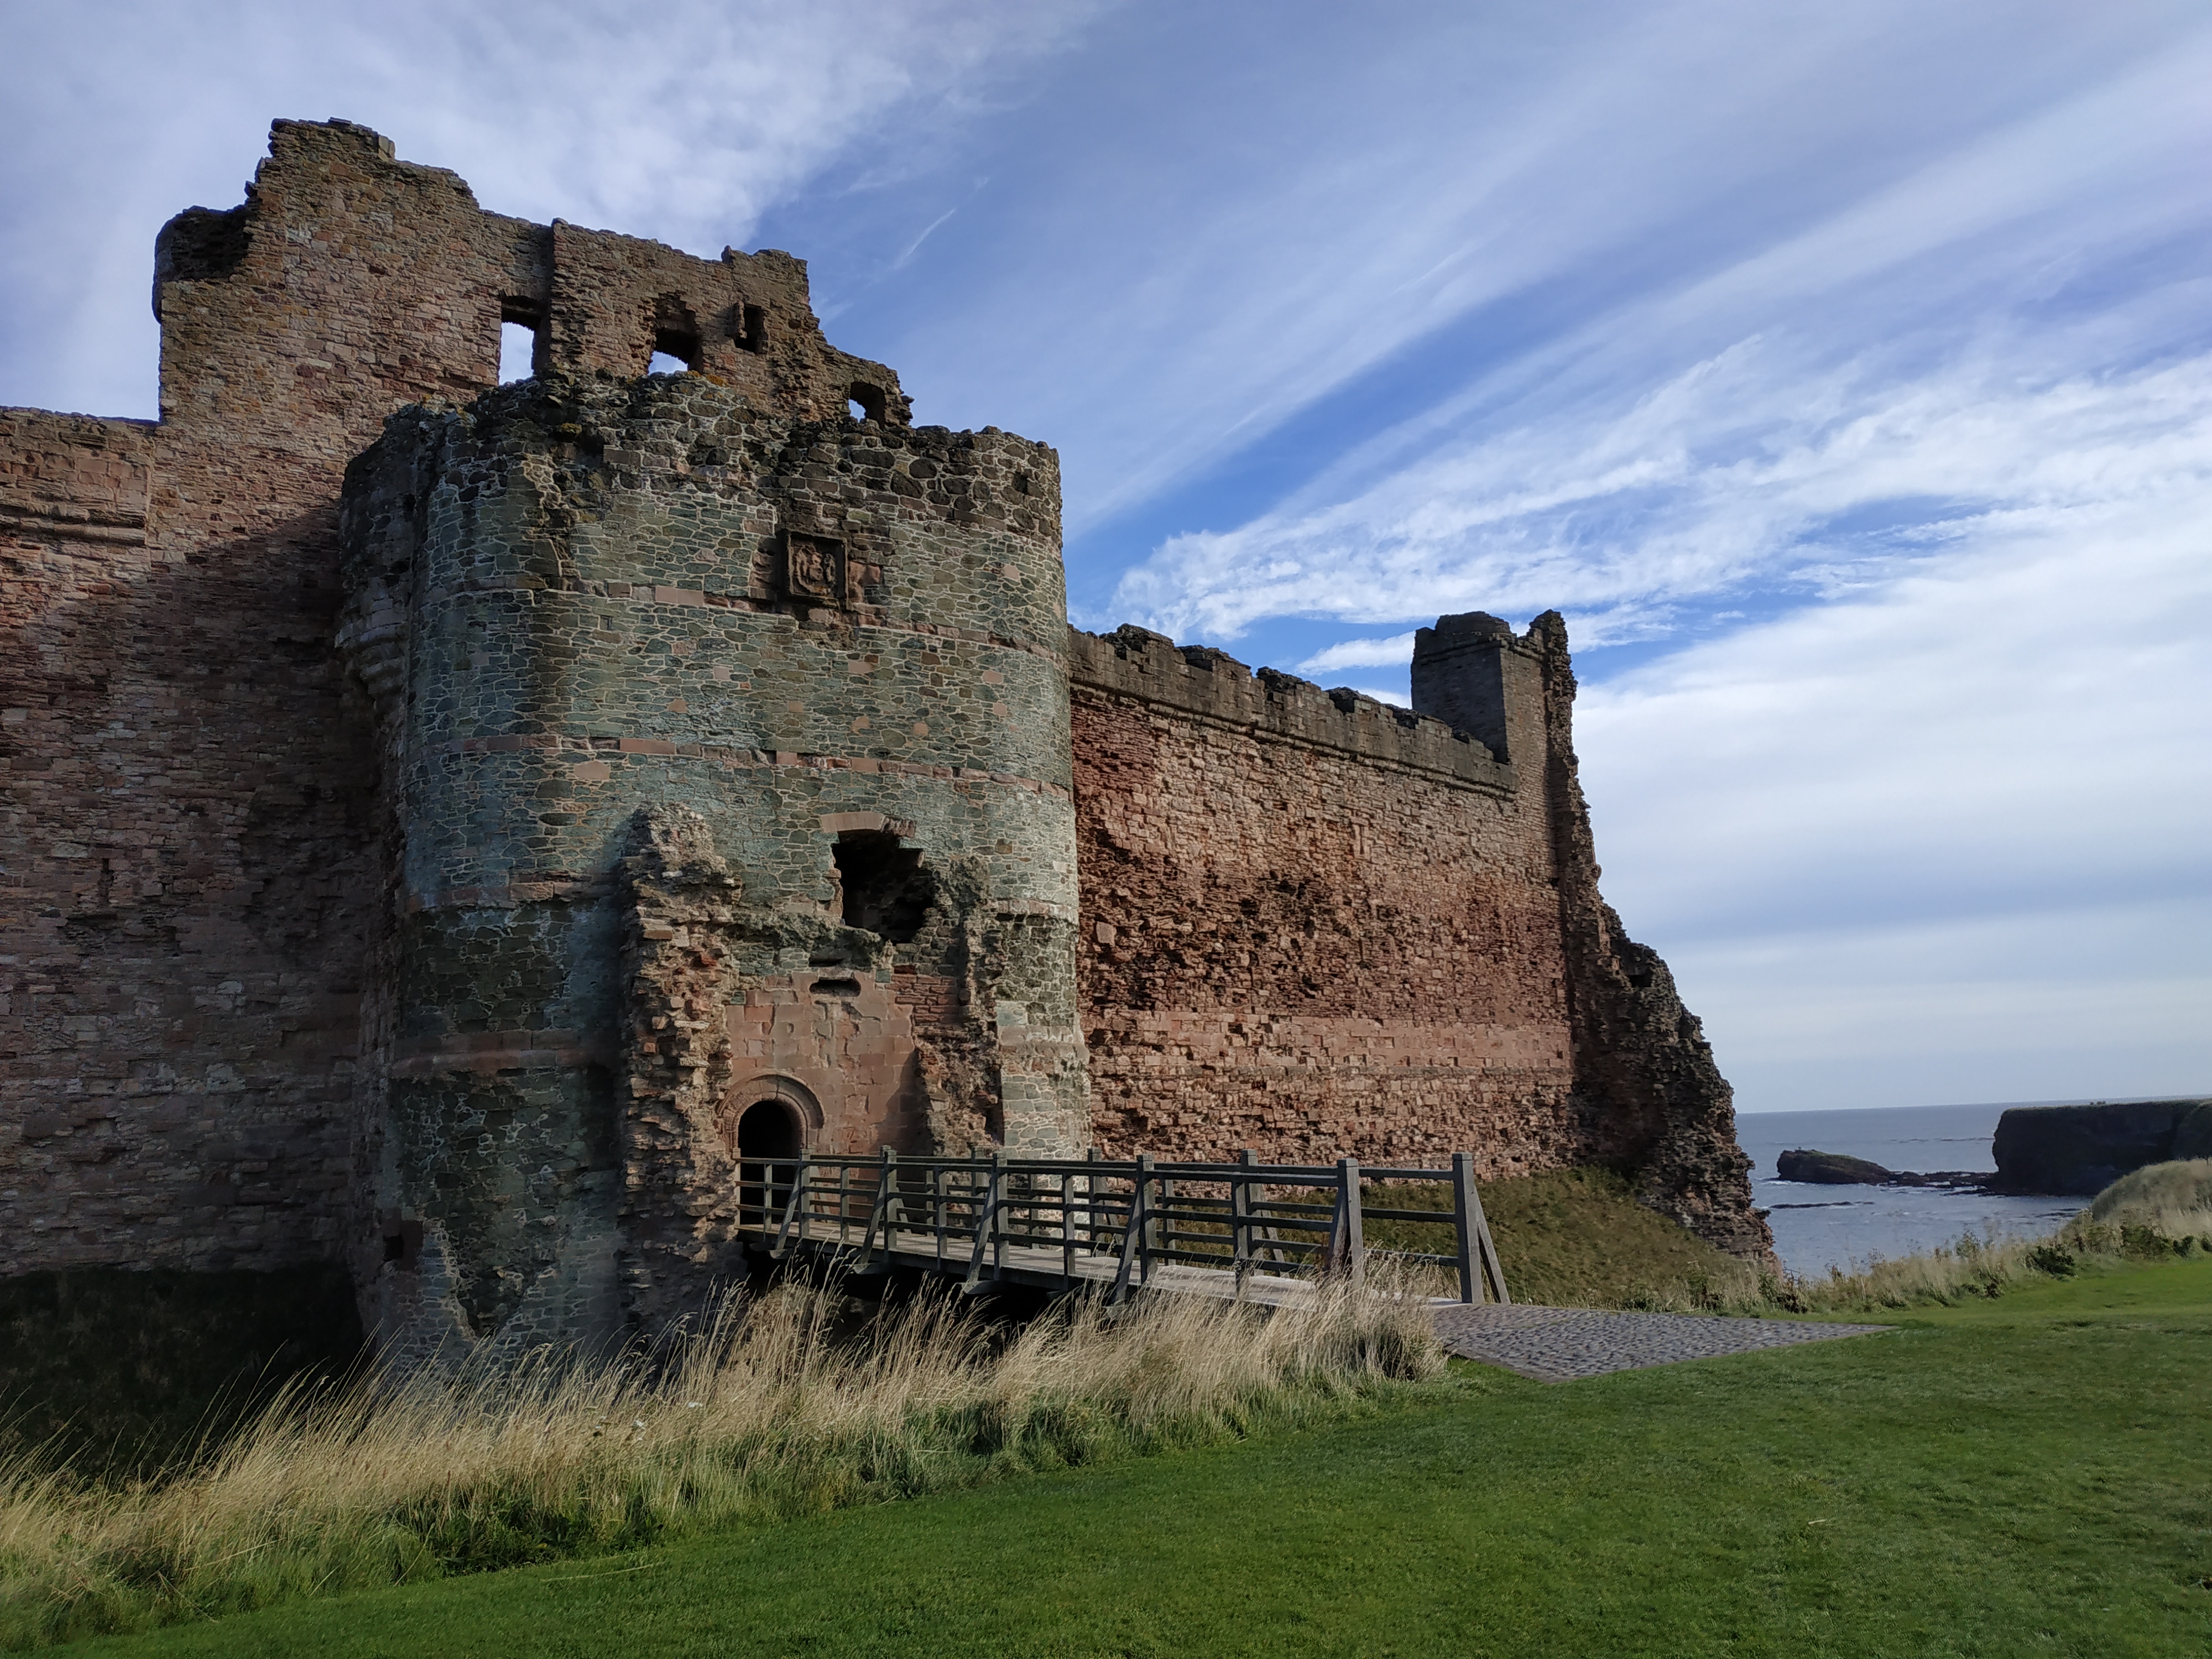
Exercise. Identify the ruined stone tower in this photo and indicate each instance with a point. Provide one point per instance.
(727, 792)
(444, 823)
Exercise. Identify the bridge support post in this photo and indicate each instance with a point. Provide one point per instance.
(1348, 1247)
(1476, 1251)
(1240, 1217)
(1152, 1224)
(995, 1214)
(1464, 1201)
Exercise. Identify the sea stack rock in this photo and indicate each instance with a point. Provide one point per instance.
(2084, 1149)
(1830, 1170)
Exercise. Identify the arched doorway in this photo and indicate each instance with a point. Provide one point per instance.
(768, 1134)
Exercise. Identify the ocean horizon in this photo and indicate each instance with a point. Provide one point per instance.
(1819, 1227)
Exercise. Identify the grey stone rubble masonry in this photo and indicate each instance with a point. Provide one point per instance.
(188, 953)
(589, 612)
(1563, 1345)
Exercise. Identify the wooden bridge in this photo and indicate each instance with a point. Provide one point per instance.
(1248, 1231)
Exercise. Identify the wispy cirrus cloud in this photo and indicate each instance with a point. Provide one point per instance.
(1472, 183)
(1741, 472)
(1941, 352)
(1360, 653)
(1954, 816)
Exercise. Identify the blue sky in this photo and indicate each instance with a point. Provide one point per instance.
(1843, 372)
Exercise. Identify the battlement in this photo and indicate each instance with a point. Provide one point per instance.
(1212, 685)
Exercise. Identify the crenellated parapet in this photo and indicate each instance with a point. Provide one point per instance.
(1207, 685)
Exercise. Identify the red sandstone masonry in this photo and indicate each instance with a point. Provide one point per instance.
(1310, 927)
(1314, 926)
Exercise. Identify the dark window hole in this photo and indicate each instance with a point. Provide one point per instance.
(867, 402)
(402, 1242)
(836, 987)
(886, 890)
(674, 337)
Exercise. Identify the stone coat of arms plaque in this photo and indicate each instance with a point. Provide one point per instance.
(814, 567)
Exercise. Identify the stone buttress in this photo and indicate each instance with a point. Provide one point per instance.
(726, 784)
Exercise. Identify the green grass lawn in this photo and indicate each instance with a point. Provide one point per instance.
(2030, 1475)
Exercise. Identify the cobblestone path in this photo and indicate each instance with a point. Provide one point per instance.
(1559, 1345)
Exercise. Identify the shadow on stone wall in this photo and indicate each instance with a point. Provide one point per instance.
(118, 1371)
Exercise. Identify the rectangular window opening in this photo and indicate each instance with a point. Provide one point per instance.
(518, 352)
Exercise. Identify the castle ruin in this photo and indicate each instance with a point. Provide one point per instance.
(445, 823)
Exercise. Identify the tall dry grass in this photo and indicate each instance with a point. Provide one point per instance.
(2174, 1199)
(775, 1409)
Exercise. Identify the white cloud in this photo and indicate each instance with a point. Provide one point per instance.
(2050, 1005)
(1943, 838)
(1233, 252)
(1908, 344)
(1359, 654)
(1733, 475)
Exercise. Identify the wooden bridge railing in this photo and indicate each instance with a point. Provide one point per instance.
(999, 1216)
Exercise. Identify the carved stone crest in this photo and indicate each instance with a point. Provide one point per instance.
(814, 567)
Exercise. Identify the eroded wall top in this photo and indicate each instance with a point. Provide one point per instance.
(350, 282)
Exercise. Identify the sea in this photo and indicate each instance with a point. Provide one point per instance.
(1817, 1228)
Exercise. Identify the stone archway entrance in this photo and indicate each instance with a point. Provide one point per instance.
(769, 1130)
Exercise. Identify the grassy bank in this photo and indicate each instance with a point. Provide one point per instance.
(2015, 1476)
(1568, 1238)
(774, 1411)
(2152, 1215)
(779, 1411)
(1579, 1238)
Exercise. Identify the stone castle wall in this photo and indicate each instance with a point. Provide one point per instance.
(1314, 925)
(1311, 925)
(436, 815)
